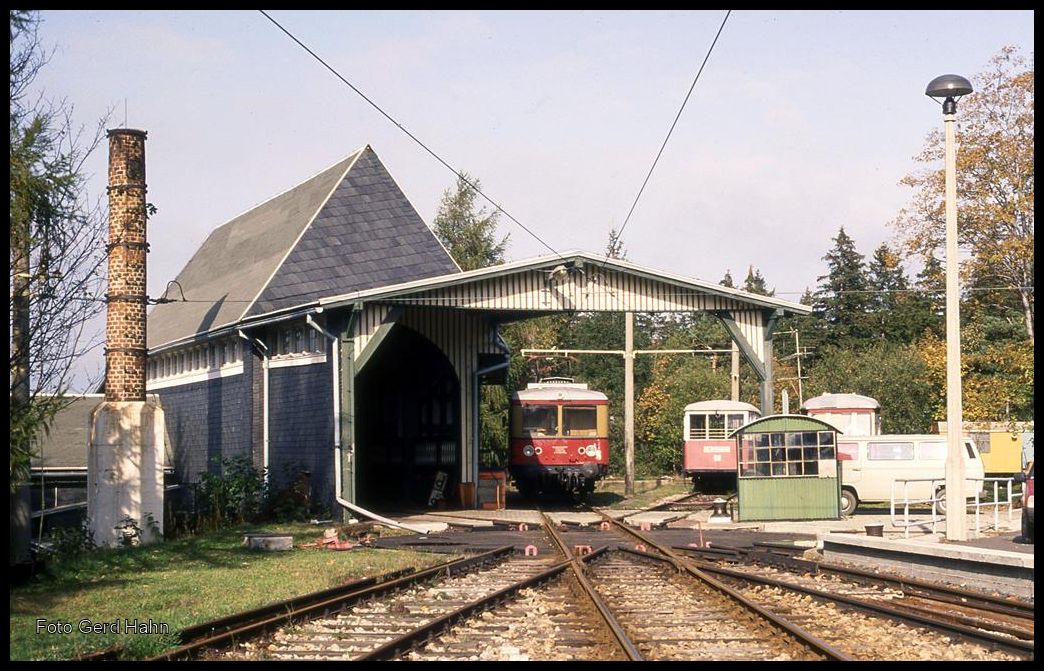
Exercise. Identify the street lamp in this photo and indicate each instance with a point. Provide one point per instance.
(950, 88)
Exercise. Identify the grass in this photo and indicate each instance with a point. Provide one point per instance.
(180, 583)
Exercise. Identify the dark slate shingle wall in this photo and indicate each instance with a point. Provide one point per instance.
(300, 428)
(206, 421)
(367, 235)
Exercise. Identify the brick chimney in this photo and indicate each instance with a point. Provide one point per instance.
(126, 457)
(125, 347)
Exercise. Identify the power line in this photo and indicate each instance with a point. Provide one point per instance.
(438, 158)
(675, 123)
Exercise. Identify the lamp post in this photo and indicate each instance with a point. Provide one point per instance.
(950, 88)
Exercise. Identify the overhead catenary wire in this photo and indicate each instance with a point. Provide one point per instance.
(619, 236)
(413, 137)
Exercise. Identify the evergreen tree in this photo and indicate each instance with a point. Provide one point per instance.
(727, 280)
(842, 300)
(931, 295)
(57, 262)
(896, 314)
(755, 283)
(468, 232)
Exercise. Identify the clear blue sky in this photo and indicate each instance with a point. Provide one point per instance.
(802, 121)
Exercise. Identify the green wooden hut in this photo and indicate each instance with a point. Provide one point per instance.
(787, 469)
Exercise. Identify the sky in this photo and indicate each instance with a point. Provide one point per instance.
(801, 122)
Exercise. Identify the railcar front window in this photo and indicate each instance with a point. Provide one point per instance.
(540, 420)
(579, 421)
(717, 426)
(697, 427)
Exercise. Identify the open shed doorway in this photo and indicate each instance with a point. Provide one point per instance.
(407, 424)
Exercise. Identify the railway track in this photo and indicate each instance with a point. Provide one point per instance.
(619, 603)
(959, 607)
(381, 628)
(886, 608)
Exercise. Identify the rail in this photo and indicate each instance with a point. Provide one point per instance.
(906, 523)
(935, 486)
(996, 503)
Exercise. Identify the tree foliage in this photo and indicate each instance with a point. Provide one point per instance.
(995, 171)
(843, 299)
(468, 231)
(57, 245)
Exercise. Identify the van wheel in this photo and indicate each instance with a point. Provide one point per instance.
(940, 505)
(849, 502)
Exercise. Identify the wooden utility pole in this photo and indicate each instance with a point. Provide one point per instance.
(629, 404)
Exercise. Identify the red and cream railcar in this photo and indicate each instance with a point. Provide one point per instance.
(559, 437)
(709, 452)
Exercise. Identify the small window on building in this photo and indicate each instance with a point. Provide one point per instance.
(298, 340)
(284, 341)
(313, 337)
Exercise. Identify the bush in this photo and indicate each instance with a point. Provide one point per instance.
(233, 496)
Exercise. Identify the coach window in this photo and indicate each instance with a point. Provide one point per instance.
(540, 420)
(579, 421)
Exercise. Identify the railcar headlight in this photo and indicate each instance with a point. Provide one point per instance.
(539, 450)
(527, 450)
(582, 450)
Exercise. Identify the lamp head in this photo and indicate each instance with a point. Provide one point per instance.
(948, 87)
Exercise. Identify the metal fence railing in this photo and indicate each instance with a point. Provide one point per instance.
(997, 485)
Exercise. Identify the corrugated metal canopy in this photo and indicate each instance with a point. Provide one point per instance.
(572, 281)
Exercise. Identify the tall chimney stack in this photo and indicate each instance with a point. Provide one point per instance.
(126, 459)
(125, 347)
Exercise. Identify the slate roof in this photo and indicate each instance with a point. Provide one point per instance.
(349, 228)
(65, 445)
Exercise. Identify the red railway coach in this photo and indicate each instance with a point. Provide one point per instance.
(709, 451)
(559, 437)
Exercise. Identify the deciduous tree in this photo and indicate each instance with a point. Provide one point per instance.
(995, 171)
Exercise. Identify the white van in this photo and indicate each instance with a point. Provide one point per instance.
(870, 464)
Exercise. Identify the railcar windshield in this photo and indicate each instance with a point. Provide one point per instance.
(540, 420)
(580, 421)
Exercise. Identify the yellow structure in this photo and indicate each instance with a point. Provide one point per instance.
(999, 443)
